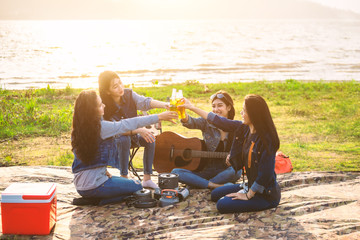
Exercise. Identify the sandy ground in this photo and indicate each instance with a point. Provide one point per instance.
(314, 205)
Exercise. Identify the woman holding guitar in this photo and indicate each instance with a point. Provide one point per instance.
(254, 147)
(215, 171)
(122, 103)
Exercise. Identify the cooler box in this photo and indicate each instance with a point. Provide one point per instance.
(28, 208)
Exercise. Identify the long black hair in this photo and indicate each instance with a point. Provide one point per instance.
(86, 126)
(105, 79)
(259, 114)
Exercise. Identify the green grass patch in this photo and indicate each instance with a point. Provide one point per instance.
(318, 122)
(64, 159)
(40, 112)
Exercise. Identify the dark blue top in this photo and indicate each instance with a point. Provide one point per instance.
(261, 169)
(107, 154)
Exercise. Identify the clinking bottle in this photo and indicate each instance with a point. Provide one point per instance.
(179, 104)
(173, 100)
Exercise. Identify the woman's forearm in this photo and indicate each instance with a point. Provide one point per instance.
(198, 111)
(109, 129)
(132, 132)
(186, 119)
(250, 193)
(157, 104)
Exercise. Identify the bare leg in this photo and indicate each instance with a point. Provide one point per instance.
(148, 183)
(146, 177)
(212, 185)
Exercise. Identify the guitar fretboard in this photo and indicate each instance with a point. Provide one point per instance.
(207, 154)
(204, 154)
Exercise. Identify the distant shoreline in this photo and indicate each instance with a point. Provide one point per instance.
(201, 9)
(161, 83)
(147, 53)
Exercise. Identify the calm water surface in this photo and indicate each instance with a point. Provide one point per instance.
(38, 53)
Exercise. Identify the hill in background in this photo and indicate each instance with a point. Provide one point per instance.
(169, 9)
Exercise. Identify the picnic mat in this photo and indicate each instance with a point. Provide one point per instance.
(314, 205)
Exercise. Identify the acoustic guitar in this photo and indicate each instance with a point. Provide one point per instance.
(175, 151)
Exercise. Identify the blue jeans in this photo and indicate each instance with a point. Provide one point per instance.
(257, 203)
(148, 157)
(115, 189)
(202, 178)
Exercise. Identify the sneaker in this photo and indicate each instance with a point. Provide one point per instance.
(242, 191)
(149, 184)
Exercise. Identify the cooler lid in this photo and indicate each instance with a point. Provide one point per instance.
(28, 192)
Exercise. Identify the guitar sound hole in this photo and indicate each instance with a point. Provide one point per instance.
(180, 162)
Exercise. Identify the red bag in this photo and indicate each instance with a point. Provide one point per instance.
(282, 163)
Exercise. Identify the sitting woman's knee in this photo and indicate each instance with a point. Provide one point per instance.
(222, 206)
(215, 195)
(177, 171)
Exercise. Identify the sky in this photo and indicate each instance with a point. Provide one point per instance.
(353, 5)
(173, 9)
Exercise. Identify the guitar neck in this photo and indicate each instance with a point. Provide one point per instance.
(207, 154)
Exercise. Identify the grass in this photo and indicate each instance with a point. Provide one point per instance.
(41, 112)
(318, 122)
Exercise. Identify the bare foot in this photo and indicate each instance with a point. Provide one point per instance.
(212, 185)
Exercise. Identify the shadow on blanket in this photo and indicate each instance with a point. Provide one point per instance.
(314, 205)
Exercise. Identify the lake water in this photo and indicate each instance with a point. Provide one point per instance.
(38, 53)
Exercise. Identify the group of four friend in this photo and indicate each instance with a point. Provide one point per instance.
(102, 136)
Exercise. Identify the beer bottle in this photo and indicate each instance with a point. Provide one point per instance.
(179, 104)
(173, 100)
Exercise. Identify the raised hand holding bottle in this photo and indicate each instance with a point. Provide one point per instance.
(180, 105)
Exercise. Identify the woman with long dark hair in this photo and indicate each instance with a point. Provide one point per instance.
(96, 144)
(123, 103)
(214, 172)
(254, 147)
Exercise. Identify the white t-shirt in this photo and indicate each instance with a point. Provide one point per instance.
(90, 179)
